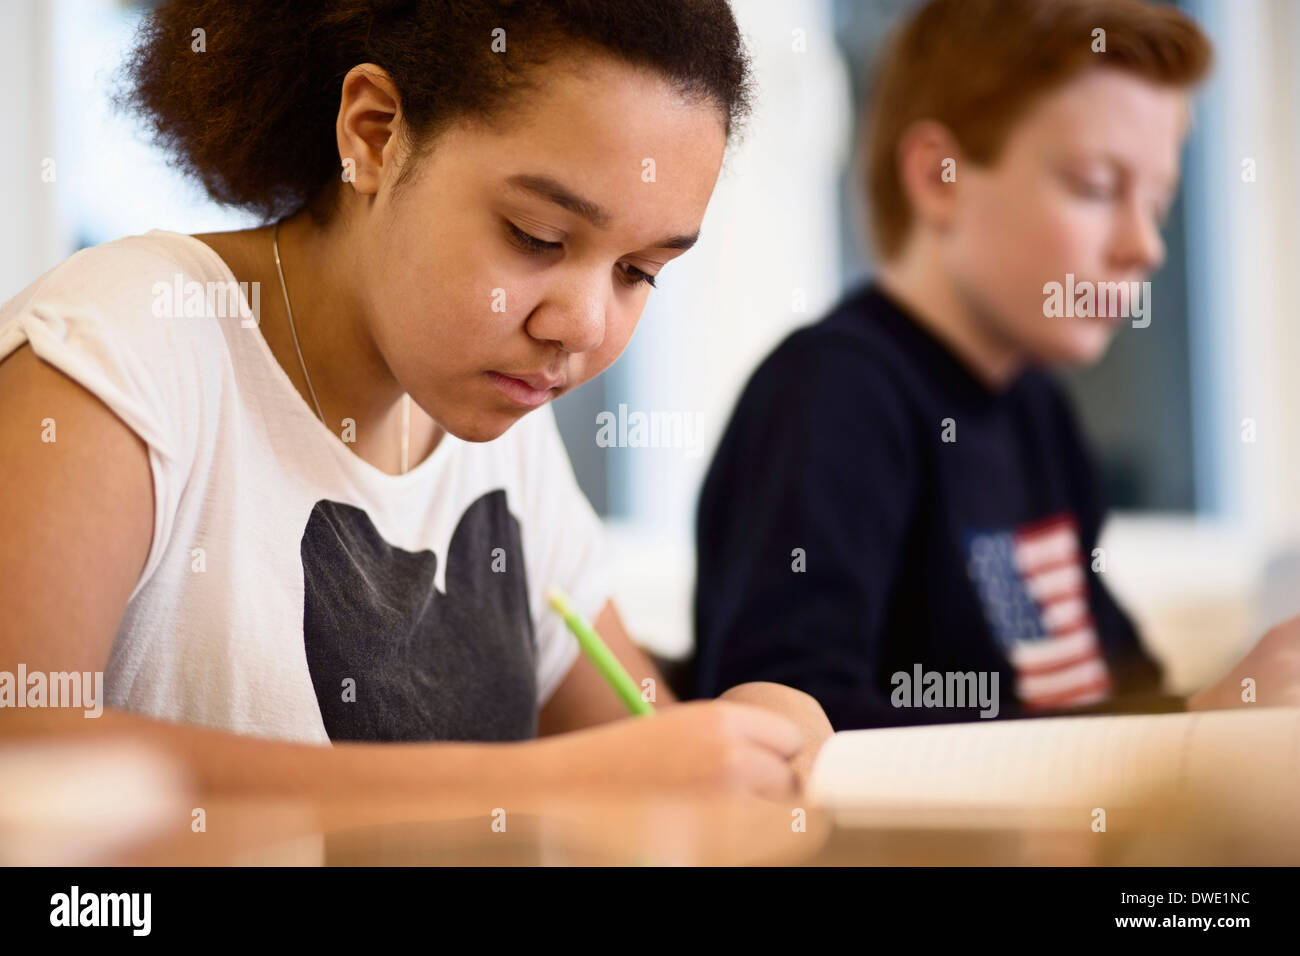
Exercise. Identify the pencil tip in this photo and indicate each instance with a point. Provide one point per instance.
(555, 597)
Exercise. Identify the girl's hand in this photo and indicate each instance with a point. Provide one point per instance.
(802, 708)
(1274, 664)
(703, 745)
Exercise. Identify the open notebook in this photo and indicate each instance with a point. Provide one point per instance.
(1057, 770)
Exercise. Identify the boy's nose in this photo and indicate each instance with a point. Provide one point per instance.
(1139, 246)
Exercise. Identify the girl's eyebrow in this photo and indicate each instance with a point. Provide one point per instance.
(554, 191)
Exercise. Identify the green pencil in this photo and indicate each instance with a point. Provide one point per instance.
(600, 654)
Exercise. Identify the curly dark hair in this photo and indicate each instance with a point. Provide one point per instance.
(252, 117)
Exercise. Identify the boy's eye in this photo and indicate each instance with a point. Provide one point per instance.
(1091, 186)
(1091, 190)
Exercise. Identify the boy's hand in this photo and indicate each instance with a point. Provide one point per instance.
(1274, 663)
(799, 707)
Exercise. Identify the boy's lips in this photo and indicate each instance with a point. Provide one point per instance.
(528, 390)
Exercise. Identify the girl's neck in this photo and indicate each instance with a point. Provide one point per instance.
(348, 373)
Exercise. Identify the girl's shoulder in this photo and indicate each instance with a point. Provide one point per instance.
(152, 293)
(130, 321)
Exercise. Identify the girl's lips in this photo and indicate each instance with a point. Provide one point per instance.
(518, 391)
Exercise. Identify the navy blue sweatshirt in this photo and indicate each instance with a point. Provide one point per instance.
(873, 510)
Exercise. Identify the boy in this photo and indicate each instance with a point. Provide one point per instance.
(901, 517)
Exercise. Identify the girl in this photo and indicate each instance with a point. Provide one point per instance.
(299, 483)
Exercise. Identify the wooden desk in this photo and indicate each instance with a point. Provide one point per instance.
(587, 830)
(77, 805)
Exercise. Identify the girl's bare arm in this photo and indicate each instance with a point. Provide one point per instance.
(77, 520)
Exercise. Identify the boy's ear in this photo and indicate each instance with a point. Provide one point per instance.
(929, 172)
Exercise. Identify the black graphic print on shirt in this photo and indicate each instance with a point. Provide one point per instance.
(427, 665)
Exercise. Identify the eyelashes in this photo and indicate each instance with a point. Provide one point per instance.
(1099, 192)
(531, 245)
(1090, 186)
(1109, 192)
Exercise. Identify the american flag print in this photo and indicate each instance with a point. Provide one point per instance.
(1031, 583)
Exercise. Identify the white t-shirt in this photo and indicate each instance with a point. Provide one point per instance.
(292, 590)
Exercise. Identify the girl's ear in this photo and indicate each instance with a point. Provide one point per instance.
(370, 113)
(929, 160)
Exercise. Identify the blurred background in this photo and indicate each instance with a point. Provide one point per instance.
(1203, 545)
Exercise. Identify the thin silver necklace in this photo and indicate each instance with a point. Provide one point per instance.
(406, 397)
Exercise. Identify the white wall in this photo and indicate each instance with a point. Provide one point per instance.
(28, 245)
(1243, 251)
(60, 59)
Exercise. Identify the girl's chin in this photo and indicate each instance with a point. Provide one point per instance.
(480, 425)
